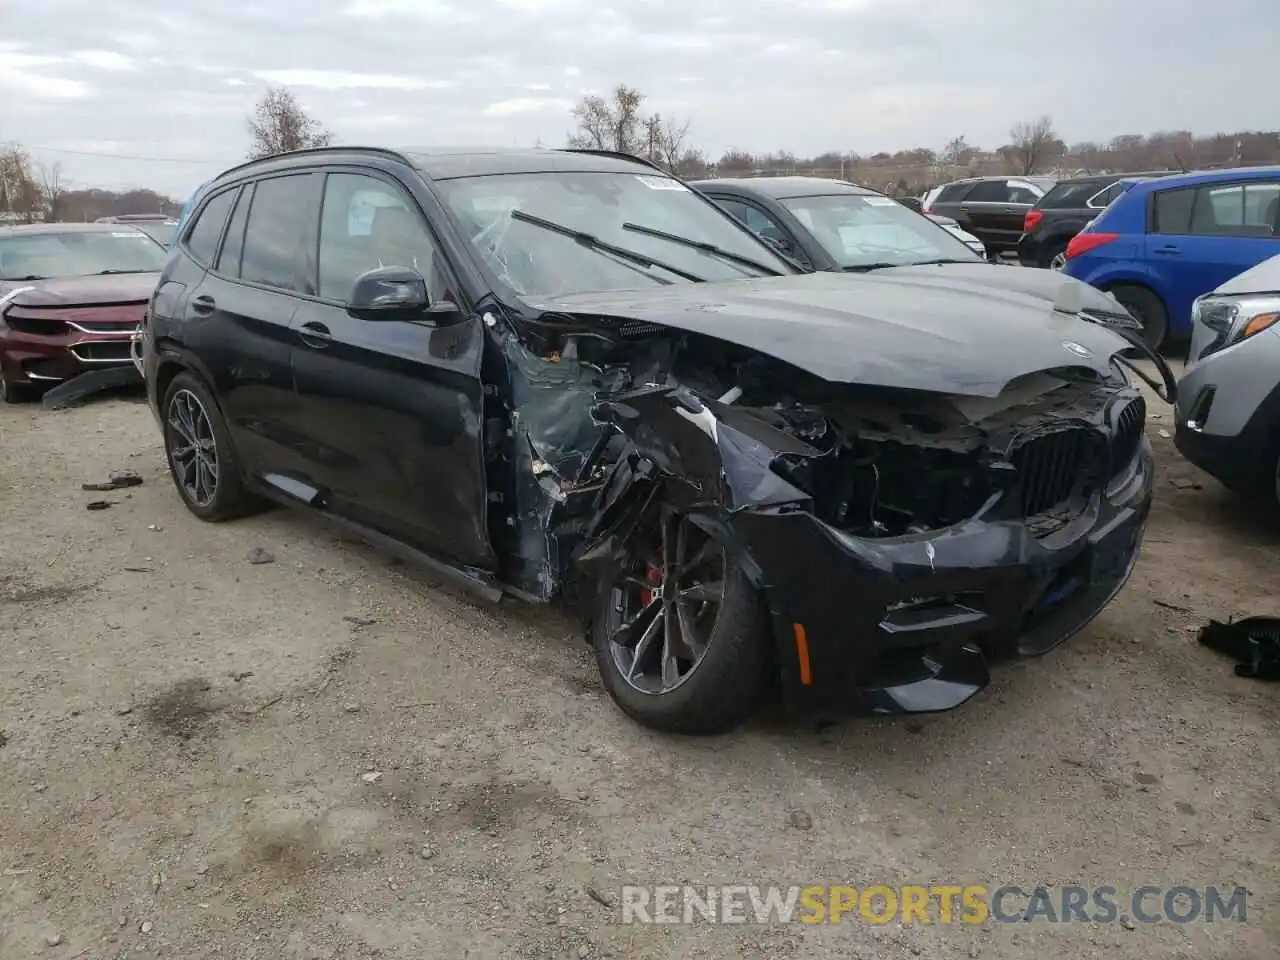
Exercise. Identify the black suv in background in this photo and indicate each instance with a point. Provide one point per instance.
(991, 208)
(1063, 212)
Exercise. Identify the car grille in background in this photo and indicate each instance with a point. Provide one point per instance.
(1050, 467)
(36, 326)
(1126, 435)
(102, 352)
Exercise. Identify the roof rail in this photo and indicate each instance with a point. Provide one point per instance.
(377, 151)
(616, 154)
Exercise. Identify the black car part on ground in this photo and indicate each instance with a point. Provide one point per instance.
(75, 391)
(1254, 642)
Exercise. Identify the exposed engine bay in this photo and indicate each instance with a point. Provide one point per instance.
(871, 461)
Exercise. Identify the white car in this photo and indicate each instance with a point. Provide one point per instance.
(961, 234)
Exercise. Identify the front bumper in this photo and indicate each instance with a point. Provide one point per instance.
(918, 619)
(42, 360)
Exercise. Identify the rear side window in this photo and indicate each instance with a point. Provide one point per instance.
(275, 231)
(1069, 196)
(1172, 210)
(953, 193)
(989, 191)
(206, 231)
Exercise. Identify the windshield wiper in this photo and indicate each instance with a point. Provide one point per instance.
(112, 271)
(941, 260)
(29, 276)
(868, 267)
(592, 242)
(710, 248)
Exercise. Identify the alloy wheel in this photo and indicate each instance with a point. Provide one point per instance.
(666, 604)
(193, 451)
(1058, 262)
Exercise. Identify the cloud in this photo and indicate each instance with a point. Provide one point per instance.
(861, 75)
(518, 105)
(343, 80)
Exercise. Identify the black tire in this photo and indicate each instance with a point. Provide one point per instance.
(11, 392)
(228, 498)
(1057, 252)
(723, 688)
(1147, 309)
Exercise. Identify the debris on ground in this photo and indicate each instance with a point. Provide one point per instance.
(116, 481)
(800, 820)
(1254, 642)
(260, 555)
(371, 777)
(98, 504)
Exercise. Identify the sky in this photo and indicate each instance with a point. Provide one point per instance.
(143, 93)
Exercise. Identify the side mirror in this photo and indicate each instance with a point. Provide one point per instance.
(398, 294)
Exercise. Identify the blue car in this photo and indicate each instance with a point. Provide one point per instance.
(1166, 241)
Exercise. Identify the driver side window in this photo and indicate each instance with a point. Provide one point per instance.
(367, 223)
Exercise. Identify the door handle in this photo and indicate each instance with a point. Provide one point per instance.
(203, 304)
(315, 335)
(1169, 249)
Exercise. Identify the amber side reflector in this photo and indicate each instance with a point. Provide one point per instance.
(802, 654)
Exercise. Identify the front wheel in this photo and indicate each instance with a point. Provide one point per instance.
(680, 633)
(1147, 309)
(202, 460)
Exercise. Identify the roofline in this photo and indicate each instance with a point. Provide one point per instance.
(384, 152)
(616, 154)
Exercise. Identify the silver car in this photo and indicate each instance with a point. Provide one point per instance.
(1228, 409)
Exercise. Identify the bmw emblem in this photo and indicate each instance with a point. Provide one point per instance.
(1081, 352)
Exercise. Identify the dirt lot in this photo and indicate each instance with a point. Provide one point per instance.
(191, 743)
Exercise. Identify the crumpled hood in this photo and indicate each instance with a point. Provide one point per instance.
(1039, 284)
(80, 291)
(903, 327)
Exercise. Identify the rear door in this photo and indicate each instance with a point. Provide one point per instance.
(1200, 237)
(996, 210)
(392, 409)
(237, 315)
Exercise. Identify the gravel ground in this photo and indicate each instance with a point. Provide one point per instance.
(328, 756)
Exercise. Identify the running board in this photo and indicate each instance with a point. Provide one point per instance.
(474, 582)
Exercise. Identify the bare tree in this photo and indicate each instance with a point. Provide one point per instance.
(957, 152)
(19, 192)
(617, 123)
(612, 123)
(280, 125)
(51, 189)
(1031, 143)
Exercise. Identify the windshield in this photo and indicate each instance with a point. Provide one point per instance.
(161, 231)
(38, 256)
(865, 230)
(625, 211)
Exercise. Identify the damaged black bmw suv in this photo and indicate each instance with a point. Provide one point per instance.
(564, 375)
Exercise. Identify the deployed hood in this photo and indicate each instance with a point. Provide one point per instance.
(1263, 278)
(903, 327)
(80, 291)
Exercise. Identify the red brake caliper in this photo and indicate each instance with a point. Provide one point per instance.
(653, 575)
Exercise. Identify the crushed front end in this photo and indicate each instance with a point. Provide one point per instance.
(903, 541)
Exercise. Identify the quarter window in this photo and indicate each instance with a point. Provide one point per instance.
(367, 223)
(275, 231)
(206, 231)
(233, 246)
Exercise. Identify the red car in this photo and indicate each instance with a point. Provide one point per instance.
(71, 296)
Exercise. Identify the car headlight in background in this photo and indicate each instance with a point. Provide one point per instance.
(1235, 319)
